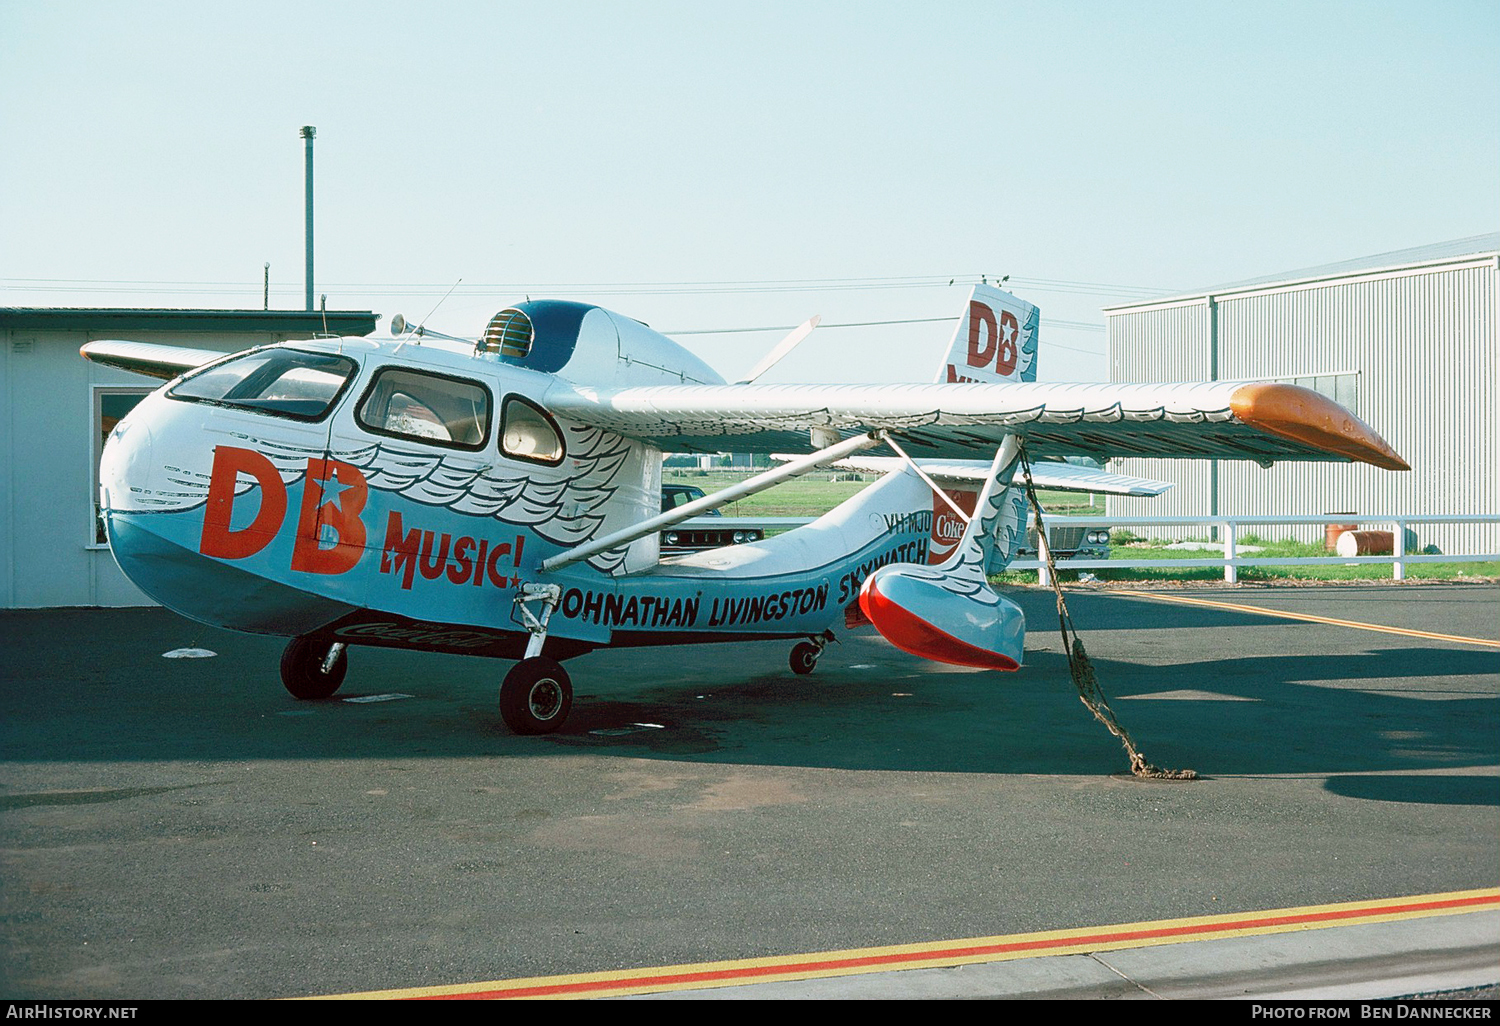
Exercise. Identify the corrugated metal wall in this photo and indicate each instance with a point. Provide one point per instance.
(1423, 347)
(1163, 343)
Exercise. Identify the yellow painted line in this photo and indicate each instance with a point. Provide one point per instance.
(820, 965)
(1213, 604)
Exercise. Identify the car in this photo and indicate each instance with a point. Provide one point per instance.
(674, 495)
(1065, 542)
(694, 536)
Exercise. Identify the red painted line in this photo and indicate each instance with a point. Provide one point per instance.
(968, 951)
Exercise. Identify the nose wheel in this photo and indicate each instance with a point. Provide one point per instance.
(536, 696)
(313, 668)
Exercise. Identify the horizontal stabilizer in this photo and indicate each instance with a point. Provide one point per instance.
(1060, 477)
(165, 362)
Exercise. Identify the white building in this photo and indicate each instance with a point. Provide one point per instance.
(56, 408)
(1409, 341)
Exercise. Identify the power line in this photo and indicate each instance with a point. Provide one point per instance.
(1048, 344)
(1046, 321)
(114, 285)
(78, 284)
(789, 327)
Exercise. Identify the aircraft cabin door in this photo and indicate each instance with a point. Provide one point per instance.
(399, 509)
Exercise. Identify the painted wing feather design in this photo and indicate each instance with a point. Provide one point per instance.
(565, 510)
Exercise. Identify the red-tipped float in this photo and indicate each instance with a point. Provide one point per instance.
(922, 612)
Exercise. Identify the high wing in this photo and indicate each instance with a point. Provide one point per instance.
(148, 358)
(1259, 421)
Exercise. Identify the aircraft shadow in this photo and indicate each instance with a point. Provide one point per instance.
(87, 686)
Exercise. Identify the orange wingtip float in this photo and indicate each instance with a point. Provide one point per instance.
(1302, 415)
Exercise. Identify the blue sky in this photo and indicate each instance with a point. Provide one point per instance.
(1092, 151)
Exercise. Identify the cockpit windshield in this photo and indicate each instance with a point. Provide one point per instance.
(281, 382)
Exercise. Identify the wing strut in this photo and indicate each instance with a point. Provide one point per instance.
(930, 482)
(749, 486)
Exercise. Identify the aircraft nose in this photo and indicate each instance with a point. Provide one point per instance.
(127, 457)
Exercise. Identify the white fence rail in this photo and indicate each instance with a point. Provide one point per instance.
(1229, 528)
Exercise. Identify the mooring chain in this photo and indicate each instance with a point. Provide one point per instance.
(1082, 670)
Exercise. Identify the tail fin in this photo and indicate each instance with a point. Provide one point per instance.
(995, 340)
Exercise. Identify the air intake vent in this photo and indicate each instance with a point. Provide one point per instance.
(509, 333)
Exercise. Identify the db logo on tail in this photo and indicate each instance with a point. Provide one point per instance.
(995, 340)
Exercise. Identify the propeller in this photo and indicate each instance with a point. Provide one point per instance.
(785, 346)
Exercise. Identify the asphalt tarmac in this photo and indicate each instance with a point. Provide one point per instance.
(182, 828)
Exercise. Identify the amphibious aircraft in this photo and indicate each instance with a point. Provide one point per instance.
(506, 501)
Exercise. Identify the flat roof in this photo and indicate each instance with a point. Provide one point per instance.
(48, 318)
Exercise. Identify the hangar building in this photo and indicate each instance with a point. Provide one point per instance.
(57, 410)
(1408, 340)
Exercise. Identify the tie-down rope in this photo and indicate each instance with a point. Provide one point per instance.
(1084, 678)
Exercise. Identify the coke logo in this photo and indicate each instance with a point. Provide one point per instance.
(947, 527)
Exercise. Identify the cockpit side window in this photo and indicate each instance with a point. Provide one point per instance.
(527, 432)
(282, 382)
(426, 407)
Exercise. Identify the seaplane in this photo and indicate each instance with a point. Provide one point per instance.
(502, 498)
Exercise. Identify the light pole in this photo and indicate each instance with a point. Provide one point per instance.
(308, 133)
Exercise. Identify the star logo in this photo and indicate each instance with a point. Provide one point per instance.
(333, 489)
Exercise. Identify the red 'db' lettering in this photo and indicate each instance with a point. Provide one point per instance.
(219, 539)
(1009, 332)
(333, 496)
(979, 314)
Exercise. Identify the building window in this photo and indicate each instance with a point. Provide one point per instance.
(110, 407)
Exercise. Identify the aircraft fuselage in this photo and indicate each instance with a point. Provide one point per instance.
(377, 494)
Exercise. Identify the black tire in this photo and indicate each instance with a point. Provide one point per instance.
(302, 669)
(804, 657)
(536, 696)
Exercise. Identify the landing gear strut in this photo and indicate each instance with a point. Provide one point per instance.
(536, 695)
(313, 668)
(804, 657)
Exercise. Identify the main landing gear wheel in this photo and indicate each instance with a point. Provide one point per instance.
(804, 657)
(303, 667)
(536, 696)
